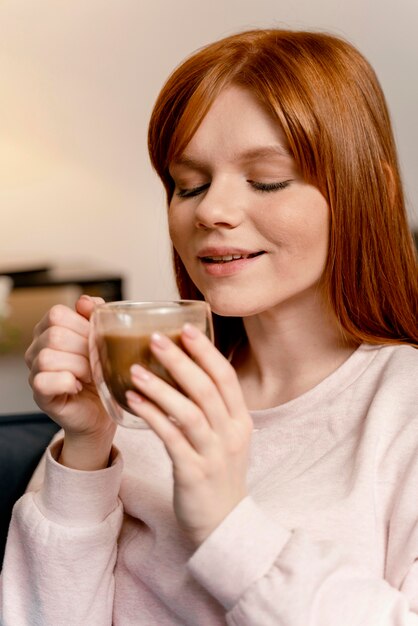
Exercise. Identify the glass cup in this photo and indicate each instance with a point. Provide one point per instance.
(120, 336)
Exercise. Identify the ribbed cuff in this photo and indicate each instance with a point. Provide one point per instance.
(238, 553)
(78, 498)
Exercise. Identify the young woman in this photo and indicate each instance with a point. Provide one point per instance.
(285, 491)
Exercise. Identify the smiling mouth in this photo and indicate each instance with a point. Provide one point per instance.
(227, 258)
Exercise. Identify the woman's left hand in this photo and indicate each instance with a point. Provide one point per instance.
(206, 429)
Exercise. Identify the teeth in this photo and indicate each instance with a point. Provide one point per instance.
(228, 257)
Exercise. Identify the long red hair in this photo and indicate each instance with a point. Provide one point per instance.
(328, 101)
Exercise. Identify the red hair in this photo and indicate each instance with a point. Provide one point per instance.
(328, 101)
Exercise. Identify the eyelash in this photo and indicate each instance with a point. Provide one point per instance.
(264, 187)
(190, 193)
(270, 186)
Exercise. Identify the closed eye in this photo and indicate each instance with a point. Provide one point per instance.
(193, 191)
(269, 186)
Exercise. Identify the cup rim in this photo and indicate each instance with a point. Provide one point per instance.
(147, 304)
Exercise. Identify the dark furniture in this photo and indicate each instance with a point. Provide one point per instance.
(108, 285)
(23, 439)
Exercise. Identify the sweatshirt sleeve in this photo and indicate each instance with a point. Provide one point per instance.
(264, 574)
(61, 548)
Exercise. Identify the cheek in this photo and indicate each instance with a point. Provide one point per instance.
(318, 228)
(174, 229)
(314, 241)
(179, 234)
(301, 230)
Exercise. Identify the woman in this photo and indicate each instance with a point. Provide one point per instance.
(285, 489)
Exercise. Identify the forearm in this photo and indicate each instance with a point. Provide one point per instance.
(261, 573)
(86, 453)
(59, 576)
(62, 548)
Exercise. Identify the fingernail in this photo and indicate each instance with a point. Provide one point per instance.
(190, 331)
(133, 397)
(140, 372)
(160, 341)
(78, 386)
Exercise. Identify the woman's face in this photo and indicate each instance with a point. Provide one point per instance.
(252, 234)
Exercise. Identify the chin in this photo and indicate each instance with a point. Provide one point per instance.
(224, 308)
(230, 307)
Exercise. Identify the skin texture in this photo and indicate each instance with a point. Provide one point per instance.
(61, 381)
(221, 202)
(290, 224)
(209, 440)
(278, 294)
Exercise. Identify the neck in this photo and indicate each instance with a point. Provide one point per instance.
(289, 351)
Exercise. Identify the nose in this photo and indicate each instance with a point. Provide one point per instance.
(221, 206)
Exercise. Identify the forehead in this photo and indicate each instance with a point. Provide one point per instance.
(237, 127)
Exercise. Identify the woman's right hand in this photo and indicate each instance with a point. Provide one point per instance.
(60, 376)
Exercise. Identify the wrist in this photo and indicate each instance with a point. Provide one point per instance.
(86, 452)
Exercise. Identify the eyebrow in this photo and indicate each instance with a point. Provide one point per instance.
(253, 154)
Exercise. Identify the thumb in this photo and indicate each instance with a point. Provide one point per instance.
(85, 305)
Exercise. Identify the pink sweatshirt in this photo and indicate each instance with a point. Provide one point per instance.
(327, 537)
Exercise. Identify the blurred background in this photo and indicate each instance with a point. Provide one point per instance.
(81, 208)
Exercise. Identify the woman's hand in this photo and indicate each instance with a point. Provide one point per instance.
(206, 429)
(60, 377)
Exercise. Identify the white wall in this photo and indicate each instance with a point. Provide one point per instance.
(77, 82)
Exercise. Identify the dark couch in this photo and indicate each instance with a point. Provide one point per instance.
(23, 439)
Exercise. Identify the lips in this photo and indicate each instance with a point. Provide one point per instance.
(228, 258)
(226, 255)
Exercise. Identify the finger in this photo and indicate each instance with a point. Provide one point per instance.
(172, 403)
(196, 384)
(64, 340)
(57, 338)
(85, 305)
(174, 440)
(61, 315)
(208, 357)
(48, 385)
(49, 360)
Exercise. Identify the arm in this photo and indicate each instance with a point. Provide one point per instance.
(263, 574)
(61, 548)
(258, 570)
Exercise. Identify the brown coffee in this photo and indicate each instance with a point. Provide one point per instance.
(118, 351)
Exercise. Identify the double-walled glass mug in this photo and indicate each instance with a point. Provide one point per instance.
(119, 337)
